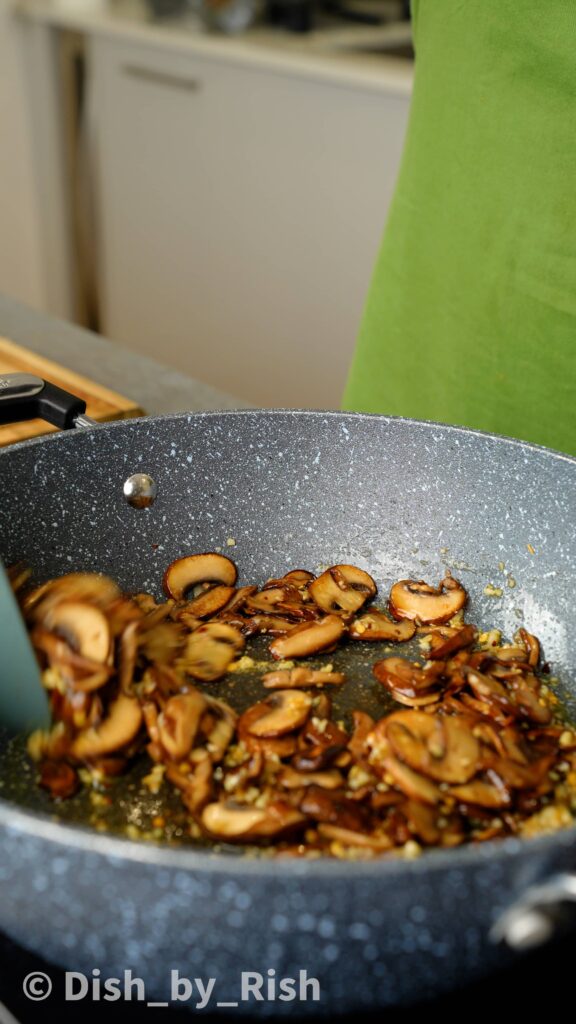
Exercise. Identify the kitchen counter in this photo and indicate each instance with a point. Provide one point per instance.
(156, 388)
(328, 53)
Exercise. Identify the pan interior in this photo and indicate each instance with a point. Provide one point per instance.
(277, 491)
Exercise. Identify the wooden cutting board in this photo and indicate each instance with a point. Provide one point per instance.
(101, 403)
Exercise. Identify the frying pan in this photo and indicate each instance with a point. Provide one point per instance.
(400, 498)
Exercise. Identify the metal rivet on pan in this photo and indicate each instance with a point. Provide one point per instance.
(140, 490)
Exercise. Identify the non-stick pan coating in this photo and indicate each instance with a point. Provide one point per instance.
(305, 490)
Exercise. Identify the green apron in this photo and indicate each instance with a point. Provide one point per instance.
(471, 314)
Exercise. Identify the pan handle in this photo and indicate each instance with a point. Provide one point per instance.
(539, 915)
(25, 397)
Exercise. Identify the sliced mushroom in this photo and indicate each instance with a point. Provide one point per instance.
(414, 785)
(77, 672)
(308, 638)
(117, 730)
(186, 573)
(408, 683)
(440, 746)
(483, 793)
(220, 735)
(342, 590)
(210, 602)
(444, 642)
(300, 677)
(348, 837)
(75, 586)
(333, 807)
(83, 625)
(59, 779)
(270, 625)
(178, 723)
(363, 726)
(281, 712)
(531, 645)
(230, 820)
(375, 625)
(210, 650)
(415, 599)
(289, 778)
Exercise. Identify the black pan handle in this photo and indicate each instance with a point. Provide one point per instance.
(24, 397)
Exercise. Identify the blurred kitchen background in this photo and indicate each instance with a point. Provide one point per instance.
(204, 182)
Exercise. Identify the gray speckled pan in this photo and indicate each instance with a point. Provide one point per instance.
(397, 497)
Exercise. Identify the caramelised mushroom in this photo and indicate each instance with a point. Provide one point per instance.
(342, 590)
(408, 683)
(231, 820)
(440, 746)
(308, 638)
(347, 837)
(415, 599)
(210, 650)
(446, 641)
(178, 723)
(117, 731)
(281, 712)
(210, 602)
(375, 625)
(300, 677)
(189, 572)
(83, 625)
(75, 586)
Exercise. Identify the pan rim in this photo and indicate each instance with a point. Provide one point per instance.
(278, 412)
(82, 839)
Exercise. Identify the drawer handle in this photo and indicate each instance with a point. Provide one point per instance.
(161, 77)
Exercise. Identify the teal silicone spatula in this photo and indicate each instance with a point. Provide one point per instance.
(23, 700)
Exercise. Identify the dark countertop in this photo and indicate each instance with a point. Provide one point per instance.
(156, 388)
(540, 982)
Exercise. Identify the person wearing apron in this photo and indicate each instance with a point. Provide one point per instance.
(471, 313)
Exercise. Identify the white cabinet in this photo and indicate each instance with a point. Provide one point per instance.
(240, 210)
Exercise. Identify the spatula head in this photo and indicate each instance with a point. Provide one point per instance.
(23, 700)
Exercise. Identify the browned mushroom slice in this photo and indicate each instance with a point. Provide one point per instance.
(375, 625)
(408, 683)
(289, 778)
(128, 656)
(83, 625)
(210, 650)
(300, 677)
(444, 642)
(210, 602)
(220, 734)
(363, 726)
(59, 779)
(334, 808)
(78, 672)
(236, 602)
(231, 821)
(116, 731)
(268, 625)
(281, 712)
(487, 689)
(415, 599)
(414, 785)
(178, 723)
(483, 793)
(347, 837)
(525, 694)
(524, 776)
(531, 645)
(186, 573)
(440, 746)
(342, 590)
(75, 586)
(308, 638)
